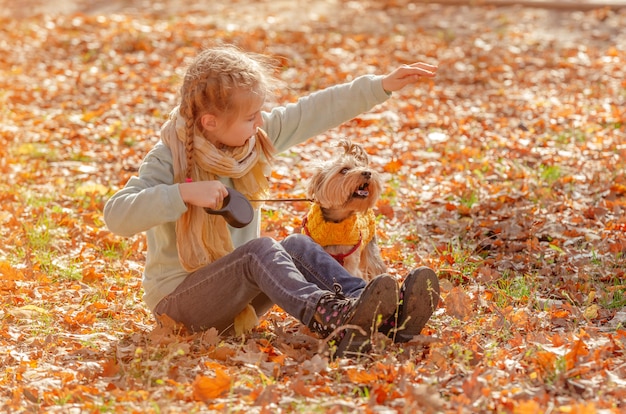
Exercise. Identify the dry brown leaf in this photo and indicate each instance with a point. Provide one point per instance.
(458, 304)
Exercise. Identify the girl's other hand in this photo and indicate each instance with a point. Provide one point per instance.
(408, 74)
(209, 194)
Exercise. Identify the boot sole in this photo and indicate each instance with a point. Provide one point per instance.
(377, 303)
(421, 299)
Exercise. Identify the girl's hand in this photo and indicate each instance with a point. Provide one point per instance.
(408, 74)
(203, 193)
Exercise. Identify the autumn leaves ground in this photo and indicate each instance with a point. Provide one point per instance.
(505, 174)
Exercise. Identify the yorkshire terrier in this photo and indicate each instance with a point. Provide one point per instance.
(344, 191)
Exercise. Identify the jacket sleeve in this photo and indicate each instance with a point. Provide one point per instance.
(322, 110)
(147, 200)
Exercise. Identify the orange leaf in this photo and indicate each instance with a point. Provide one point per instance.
(361, 377)
(557, 340)
(85, 318)
(579, 350)
(527, 407)
(393, 166)
(612, 51)
(207, 388)
(8, 272)
(222, 353)
(110, 368)
(97, 306)
(90, 275)
(381, 393)
(546, 360)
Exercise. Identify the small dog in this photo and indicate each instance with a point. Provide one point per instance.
(344, 191)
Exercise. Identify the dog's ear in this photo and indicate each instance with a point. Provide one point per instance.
(359, 153)
(314, 182)
(346, 144)
(354, 150)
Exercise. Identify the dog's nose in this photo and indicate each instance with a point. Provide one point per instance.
(367, 174)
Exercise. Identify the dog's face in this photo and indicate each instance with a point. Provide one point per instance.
(346, 184)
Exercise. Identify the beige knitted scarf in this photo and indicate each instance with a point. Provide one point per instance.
(202, 238)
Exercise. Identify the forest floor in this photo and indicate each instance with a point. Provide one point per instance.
(505, 174)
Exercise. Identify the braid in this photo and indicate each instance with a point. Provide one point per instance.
(208, 88)
(187, 114)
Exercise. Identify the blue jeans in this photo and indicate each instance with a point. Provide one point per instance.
(293, 274)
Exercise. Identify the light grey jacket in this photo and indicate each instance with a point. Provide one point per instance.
(151, 201)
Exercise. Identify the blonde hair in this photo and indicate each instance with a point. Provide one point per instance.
(214, 84)
(211, 84)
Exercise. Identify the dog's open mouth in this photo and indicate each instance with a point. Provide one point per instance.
(362, 191)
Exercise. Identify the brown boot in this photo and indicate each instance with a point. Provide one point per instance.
(419, 297)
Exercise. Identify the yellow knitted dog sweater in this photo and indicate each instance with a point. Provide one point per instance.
(359, 228)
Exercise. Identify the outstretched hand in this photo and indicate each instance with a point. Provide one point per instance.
(408, 74)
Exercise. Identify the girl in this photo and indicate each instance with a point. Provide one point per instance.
(201, 272)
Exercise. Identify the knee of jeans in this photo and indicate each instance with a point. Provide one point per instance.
(295, 241)
(263, 243)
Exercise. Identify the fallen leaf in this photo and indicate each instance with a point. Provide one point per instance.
(458, 304)
(208, 388)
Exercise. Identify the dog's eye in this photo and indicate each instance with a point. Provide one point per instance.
(344, 171)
